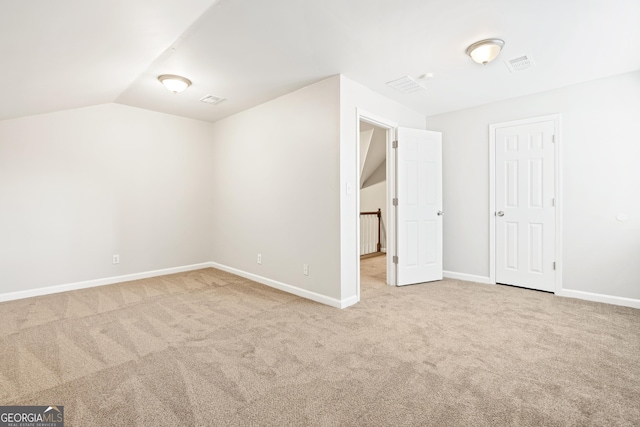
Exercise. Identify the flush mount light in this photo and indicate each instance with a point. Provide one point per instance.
(175, 84)
(485, 51)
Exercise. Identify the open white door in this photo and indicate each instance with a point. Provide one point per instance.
(419, 206)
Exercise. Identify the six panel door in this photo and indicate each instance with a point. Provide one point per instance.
(419, 216)
(524, 211)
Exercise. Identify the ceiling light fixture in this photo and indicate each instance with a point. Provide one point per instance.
(175, 84)
(485, 51)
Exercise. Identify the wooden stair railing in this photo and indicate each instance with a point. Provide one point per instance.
(368, 227)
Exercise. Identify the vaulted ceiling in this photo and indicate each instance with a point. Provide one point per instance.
(66, 54)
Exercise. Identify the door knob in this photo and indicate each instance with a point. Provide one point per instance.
(440, 213)
(499, 213)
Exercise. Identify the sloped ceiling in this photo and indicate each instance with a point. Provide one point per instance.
(373, 155)
(64, 54)
(71, 53)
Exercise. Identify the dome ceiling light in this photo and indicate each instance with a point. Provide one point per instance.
(485, 51)
(175, 84)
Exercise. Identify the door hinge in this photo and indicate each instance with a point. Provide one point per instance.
(554, 265)
(553, 201)
(395, 201)
(395, 259)
(394, 144)
(553, 139)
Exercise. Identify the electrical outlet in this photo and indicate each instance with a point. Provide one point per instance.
(116, 259)
(259, 258)
(305, 269)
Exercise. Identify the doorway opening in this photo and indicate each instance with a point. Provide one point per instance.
(385, 131)
(373, 214)
(412, 223)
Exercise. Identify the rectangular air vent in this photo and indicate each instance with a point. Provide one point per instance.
(213, 100)
(406, 85)
(519, 64)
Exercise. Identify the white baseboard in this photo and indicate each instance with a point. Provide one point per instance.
(99, 282)
(10, 296)
(467, 277)
(323, 299)
(609, 299)
(347, 302)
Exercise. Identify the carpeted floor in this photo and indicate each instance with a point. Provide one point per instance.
(207, 348)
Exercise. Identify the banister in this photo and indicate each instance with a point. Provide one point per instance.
(377, 213)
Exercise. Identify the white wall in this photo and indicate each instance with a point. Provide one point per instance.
(373, 198)
(601, 178)
(78, 186)
(275, 184)
(355, 97)
(162, 191)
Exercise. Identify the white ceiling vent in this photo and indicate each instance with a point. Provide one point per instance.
(520, 64)
(213, 100)
(406, 85)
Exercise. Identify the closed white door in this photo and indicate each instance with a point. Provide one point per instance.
(419, 206)
(524, 211)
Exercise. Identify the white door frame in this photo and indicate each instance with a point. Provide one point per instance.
(556, 118)
(390, 127)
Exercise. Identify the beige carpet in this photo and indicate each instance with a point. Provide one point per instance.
(207, 348)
